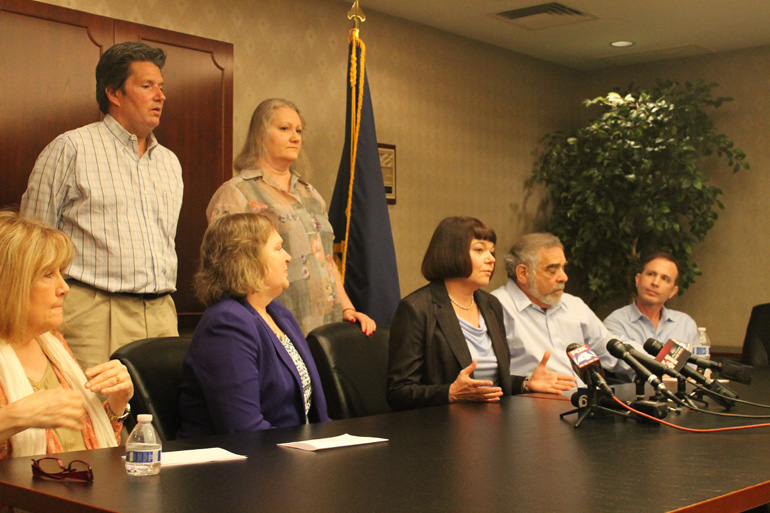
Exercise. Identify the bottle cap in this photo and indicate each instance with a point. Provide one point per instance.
(144, 417)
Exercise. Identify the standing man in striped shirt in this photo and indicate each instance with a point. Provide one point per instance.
(116, 193)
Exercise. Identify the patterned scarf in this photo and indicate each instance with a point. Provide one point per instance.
(32, 441)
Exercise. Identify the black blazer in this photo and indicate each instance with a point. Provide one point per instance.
(428, 349)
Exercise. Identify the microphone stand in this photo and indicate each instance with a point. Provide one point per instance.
(681, 393)
(698, 393)
(658, 397)
(593, 406)
(697, 396)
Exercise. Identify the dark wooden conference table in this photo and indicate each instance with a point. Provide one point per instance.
(517, 455)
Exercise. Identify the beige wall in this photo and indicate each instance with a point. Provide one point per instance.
(466, 118)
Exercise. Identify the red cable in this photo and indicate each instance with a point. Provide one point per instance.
(691, 430)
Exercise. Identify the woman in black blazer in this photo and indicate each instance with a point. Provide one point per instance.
(447, 339)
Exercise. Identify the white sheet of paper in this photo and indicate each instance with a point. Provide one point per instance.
(335, 441)
(171, 459)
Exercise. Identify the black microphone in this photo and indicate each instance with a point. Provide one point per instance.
(674, 354)
(654, 365)
(586, 365)
(659, 368)
(734, 371)
(618, 350)
(728, 369)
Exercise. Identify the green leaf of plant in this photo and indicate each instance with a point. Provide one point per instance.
(631, 180)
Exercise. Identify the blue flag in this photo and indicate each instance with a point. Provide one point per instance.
(358, 210)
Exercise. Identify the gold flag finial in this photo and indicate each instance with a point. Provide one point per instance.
(356, 14)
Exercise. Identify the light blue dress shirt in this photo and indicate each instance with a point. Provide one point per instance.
(630, 323)
(119, 209)
(531, 331)
(480, 346)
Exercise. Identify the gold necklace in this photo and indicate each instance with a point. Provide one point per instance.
(37, 386)
(458, 305)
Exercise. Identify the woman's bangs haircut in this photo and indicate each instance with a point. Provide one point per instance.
(482, 231)
(448, 254)
(55, 252)
(28, 249)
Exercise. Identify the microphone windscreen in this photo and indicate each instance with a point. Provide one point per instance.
(652, 346)
(579, 398)
(736, 371)
(616, 348)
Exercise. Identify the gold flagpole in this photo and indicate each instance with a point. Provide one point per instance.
(357, 15)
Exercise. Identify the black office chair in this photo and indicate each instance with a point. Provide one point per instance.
(756, 345)
(353, 368)
(155, 366)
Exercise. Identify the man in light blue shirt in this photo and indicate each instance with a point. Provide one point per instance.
(647, 317)
(539, 316)
(116, 193)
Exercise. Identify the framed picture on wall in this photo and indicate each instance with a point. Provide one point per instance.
(388, 165)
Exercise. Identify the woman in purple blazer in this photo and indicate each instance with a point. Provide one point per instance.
(248, 367)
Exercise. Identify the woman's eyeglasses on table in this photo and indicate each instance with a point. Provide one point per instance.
(54, 468)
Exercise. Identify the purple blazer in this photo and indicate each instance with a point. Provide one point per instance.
(238, 377)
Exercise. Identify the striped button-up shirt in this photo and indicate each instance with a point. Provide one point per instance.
(119, 209)
(531, 331)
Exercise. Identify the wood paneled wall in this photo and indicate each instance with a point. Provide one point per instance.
(47, 86)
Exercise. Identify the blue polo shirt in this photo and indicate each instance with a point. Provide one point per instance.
(631, 324)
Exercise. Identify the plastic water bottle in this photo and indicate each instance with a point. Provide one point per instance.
(143, 448)
(702, 346)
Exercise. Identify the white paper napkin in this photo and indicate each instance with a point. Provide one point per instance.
(330, 443)
(171, 459)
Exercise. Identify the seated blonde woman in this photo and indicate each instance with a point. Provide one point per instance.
(249, 367)
(47, 404)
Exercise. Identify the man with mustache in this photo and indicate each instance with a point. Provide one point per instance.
(116, 193)
(539, 316)
(646, 317)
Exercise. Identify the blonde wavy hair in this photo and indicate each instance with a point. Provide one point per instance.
(28, 249)
(233, 257)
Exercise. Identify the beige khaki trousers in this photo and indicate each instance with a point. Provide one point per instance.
(96, 322)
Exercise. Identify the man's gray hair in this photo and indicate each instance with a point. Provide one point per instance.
(527, 251)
